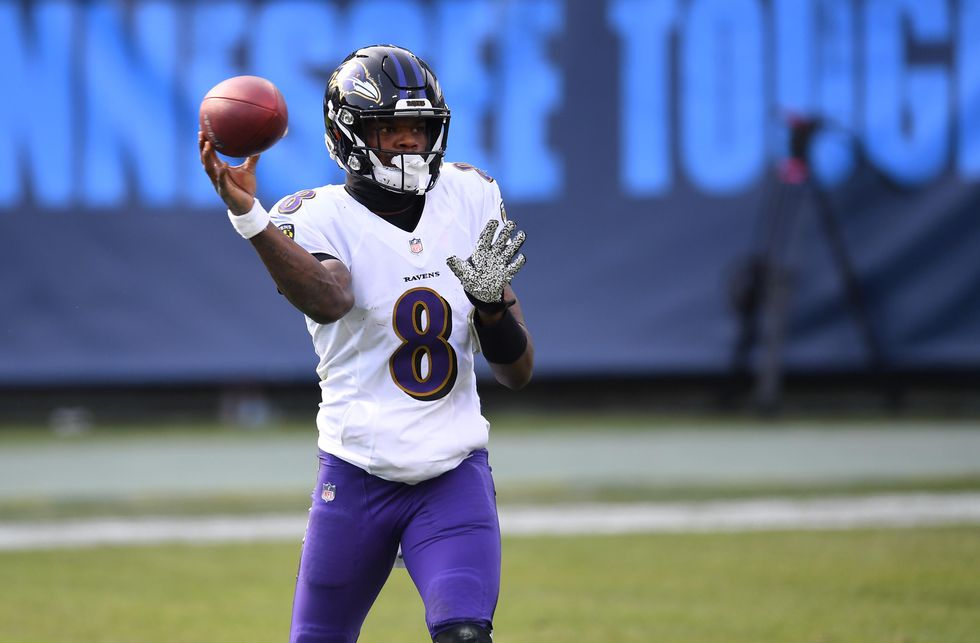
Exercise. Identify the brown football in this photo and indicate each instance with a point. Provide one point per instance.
(244, 115)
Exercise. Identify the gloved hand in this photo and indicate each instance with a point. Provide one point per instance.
(491, 266)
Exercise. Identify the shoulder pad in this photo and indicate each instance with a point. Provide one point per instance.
(466, 167)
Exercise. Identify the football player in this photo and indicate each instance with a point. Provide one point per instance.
(403, 274)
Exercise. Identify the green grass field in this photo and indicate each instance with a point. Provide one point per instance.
(866, 586)
(875, 586)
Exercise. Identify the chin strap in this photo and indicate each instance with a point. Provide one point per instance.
(411, 172)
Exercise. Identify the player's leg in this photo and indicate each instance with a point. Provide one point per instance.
(347, 555)
(464, 633)
(452, 551)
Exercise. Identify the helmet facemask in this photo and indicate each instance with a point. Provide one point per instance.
(401, 170)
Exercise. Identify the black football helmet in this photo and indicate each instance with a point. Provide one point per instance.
(385, 81)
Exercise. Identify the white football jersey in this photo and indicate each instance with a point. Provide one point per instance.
(396, 372)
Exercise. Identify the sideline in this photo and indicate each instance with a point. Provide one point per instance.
(712, 452)
(767, 514)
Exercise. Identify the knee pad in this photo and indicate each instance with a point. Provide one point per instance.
(464, 633)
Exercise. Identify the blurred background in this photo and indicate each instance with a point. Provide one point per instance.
(753, 271)
(726, 202)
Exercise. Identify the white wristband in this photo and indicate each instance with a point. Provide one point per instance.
(252, 222)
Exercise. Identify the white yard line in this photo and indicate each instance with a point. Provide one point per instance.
(904, 510)
(892, 510)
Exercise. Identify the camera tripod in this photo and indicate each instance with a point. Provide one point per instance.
(762, 288)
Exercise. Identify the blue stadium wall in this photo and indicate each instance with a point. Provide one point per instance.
(635, 141)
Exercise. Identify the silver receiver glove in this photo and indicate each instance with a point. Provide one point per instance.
(492, 264)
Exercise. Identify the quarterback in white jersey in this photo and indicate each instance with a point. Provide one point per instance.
(399, 391)
(404, 276)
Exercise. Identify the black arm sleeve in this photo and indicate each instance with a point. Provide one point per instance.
(503, 342)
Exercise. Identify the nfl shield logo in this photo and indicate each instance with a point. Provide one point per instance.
(415, 245)
(329, 492)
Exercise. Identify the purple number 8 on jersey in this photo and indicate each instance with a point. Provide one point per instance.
(423, 321)
(292, 203)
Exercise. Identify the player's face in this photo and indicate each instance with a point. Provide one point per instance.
(396, 135)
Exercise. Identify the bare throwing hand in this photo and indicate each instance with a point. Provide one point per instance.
(235, 184)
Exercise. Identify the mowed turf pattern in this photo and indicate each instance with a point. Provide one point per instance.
(867, 586)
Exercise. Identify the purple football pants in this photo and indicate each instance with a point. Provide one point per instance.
(449, 535)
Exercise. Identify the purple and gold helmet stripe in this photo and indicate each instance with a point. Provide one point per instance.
(416, 68)
(404, 64)
(401, 80)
